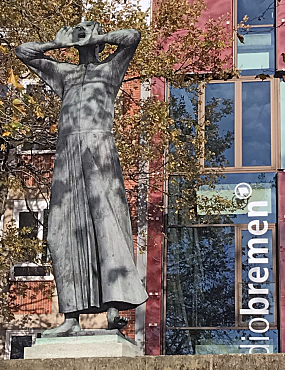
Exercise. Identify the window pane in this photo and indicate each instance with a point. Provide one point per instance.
(207, 342)
(184, 112)
(45, 254)
(220, 114)
(258, 11)
(18, 344)
(45, 224)
(28, 219)
(256, 124)
(188, 101)
(257, 54)
(200, 268)
(3, 90)
(30, 271)
(263, 187)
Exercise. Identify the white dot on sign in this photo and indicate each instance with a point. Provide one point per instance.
(228, 22)
(242, 338)
(243, 190)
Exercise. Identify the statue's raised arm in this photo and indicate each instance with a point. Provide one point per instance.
(48, 69)
(90, 40)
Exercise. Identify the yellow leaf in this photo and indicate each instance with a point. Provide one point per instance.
(39, 113)
(53, 128)
(3, 49)
(17, 102)
(12, 78)
(31, 100)
(20, 87)
(3, 147)
(6, 133)
(19, 106)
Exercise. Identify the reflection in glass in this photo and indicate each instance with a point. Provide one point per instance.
(188, 99)
(184, 112)
(256, 124)
(200, 277)
(263, 189)
(29, 220)
(258, 11)
(257, 53)
(220, 114)
(207, 342)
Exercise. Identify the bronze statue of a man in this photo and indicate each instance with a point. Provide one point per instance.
(89, 230)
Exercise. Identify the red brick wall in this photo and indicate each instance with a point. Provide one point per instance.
(34, 164)
(31, 297)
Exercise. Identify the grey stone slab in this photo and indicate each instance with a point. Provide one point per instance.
(91, 333)
(112, 345)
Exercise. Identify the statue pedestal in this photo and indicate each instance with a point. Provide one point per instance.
(86, 343)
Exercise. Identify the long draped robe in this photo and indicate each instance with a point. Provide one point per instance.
(89, 230)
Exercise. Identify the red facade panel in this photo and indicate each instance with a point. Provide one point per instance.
(216, 9)
(154, 256)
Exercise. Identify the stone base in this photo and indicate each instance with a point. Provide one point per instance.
(89, 343)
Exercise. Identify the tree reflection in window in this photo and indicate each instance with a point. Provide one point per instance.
(200, 277)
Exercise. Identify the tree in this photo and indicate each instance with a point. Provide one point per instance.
(174, 47)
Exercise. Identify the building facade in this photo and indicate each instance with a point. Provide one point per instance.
(222, 288)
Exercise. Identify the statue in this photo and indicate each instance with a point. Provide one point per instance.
(89, 230)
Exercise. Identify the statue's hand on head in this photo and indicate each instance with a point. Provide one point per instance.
(63, 38)
(93, 36)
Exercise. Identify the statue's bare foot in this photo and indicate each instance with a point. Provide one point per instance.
(70, 325)
(115, 321)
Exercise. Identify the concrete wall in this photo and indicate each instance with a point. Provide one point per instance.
(209, 362)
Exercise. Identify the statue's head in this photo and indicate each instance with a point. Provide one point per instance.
(84, 30)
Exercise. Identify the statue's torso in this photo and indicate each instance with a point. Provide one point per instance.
(88, 98)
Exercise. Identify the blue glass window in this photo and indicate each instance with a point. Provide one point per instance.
(257, 54)
(258, 11)
(3, 90)
(256, 124)
(188, 101)
(220, 114)
(184, 112)
(200, 268)
(263, 189)
(215, 342)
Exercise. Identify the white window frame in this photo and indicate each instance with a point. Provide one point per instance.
(19, 333)
(35, 205)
